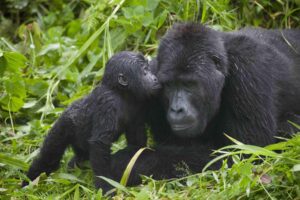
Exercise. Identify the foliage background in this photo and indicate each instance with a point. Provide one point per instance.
(53, 52)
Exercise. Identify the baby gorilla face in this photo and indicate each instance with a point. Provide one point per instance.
(130, 73)
(149, 81)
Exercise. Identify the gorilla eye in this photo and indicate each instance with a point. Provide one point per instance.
(145, 72)
(189, 67)
(216, 60)
(146, 69)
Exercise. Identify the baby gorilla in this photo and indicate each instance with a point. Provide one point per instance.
(91, 124)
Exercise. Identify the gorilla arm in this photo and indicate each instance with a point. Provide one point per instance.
(162, 162)
(104, 132)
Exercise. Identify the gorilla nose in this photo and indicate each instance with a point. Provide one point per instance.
(176, 114)
(177, 110)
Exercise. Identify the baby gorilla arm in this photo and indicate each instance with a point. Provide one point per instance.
(104, 132)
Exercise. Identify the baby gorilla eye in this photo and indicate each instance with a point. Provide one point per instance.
(146, 70)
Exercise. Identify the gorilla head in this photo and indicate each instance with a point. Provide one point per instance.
(192, 64)
(129, 73)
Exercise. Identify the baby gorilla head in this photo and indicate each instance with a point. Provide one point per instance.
(129, 72)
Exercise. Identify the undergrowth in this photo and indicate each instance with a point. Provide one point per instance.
(53, 52)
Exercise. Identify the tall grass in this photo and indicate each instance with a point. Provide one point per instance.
(53, 52)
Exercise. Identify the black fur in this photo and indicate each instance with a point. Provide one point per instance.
(91, 124)
(244, 83)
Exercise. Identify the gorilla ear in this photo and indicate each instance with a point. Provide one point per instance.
(122, 79)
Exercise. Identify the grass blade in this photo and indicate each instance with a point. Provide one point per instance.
(115, 184)
(13, 162)
(130, 165)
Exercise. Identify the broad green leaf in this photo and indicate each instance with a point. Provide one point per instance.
(245, 169)
(15, 87)
(73, 28)
(13, 61)
(138, 11)
(142, 195)
(12, 104)
(128, 12)
(37, 87)
(152, 4)
(147, 19)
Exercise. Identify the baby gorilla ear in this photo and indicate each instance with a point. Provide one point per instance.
(122, 79)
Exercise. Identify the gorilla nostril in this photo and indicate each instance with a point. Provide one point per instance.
(155, 79)
(177, 110)
(180, 110)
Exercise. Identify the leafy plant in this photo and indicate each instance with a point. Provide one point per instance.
(53, 52)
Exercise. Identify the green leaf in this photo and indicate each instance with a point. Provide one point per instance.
(142, 195)
(91, 39)
(251, 149)
(161, 19)
(15, 87)
(152, 4)
(115, 184)
(130, 165)
(128, 12)
(296, 168)
(294, 124)
(14, 61)
(70, 177)
(9, 160)
(147, 19)
(37, 87)
(12, 104)
(245, 169)
(73, 28)
(138, 11)
(49, 47)
(2, 65)
(233, 140)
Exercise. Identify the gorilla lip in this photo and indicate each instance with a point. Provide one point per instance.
(157, 86)
(182, 127)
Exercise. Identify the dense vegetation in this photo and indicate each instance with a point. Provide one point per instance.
(53, 52)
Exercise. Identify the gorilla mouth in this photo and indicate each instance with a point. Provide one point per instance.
(182, 127)
(155, 89)
(157, 86)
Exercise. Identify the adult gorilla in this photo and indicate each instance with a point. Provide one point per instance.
(244, 83)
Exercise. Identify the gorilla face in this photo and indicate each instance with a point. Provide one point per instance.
(182, 112)
(192, 77)
(149, 81)
(131, 74)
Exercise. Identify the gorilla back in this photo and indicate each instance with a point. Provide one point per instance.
(90, 125)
